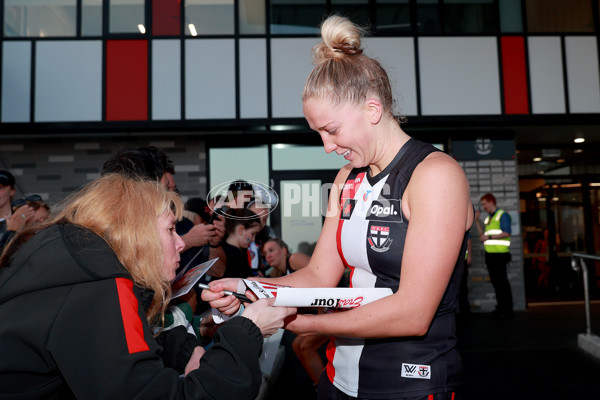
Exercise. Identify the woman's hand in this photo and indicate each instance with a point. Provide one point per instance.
(194, 361)
(268, 318)
(217, 299)
(20, 217)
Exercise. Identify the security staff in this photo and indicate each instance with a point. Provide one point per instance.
(496, 242)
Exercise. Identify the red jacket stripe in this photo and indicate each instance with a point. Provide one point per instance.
(134, 331)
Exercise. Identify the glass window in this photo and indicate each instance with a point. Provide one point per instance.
(392, 16)
(511, 19)
(297, 17)
(559, 16)
(469, 16)
(428, 15)
(290, 157)
(91, 17)
(40, 19)
(355, 10)
(252, 17)
(209, 17)
(127, 16)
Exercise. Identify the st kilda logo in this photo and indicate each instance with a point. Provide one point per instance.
(379, 238)
(416, 371)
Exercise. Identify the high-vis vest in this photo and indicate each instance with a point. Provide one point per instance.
(492, 227)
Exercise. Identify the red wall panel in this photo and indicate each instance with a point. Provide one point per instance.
(166, 17)
(514, 75)
(126, 80)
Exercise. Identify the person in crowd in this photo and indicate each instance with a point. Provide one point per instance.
(202, 241)
(242, 227)
(239, 193)
(496, 242)
(200, 207)
(87, 332)
(541, 262)
(257, 259)
(26, 211)
(7, 191)
(400, 221)
(278, 257)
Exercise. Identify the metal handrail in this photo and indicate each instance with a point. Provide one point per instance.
(586, 290)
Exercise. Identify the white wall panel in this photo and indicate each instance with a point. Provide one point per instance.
(16, 81)
(459, 76)
(546, 75)
(397, 57)
(68, 81)
(291, 63)
(582, 74)
(166, 79)
(253, 78)
(209, 79)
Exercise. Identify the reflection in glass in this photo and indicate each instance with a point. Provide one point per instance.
(209, 17)
(91, 17)
(393, 16)
(559, 16)
(355, 10)
(252, 17)
(125, 16)
(40, 18)
(428, 15)
(511, 19)
(470, 16)
(297, 17)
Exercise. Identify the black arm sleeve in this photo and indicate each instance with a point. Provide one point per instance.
(177, 347)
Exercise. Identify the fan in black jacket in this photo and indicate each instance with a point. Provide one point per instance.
(75, 326)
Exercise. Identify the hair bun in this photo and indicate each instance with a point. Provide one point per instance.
(340, 37)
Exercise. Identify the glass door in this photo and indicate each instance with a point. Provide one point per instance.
(557, 218)
(303, 197)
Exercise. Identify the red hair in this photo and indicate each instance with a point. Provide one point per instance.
(489, 198)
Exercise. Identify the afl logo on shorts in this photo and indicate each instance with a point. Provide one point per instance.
(379, 238)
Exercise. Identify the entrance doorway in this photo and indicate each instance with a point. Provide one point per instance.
(559, 216)
(302, 206)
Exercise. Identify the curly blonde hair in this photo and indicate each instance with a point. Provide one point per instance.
(342, 73)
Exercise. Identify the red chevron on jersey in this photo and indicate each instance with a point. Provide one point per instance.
(350, 187)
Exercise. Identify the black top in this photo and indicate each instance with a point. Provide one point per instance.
(75, 327)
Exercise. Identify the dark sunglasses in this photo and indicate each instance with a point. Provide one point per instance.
(21, 202)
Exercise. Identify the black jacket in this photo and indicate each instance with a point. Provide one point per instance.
(73, 326)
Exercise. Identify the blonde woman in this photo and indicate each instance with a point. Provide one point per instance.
(81, 292)
(400, 221)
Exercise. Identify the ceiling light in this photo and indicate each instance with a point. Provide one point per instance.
(537, 159)
(560, 160)
(142, 28)
(579, 140)
(578, 151)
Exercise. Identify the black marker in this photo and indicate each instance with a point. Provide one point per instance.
(228, 293)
